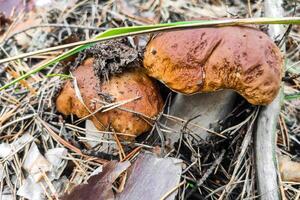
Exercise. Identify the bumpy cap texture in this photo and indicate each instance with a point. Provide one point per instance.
(121, 87)
(208, 59)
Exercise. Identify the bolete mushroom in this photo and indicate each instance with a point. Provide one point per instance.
(240, 58)
(131, 84)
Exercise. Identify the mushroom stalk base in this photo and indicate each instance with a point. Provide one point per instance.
(209, 107)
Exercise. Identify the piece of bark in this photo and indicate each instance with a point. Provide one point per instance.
(265, 138)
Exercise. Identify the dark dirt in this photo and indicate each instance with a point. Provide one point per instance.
(4, 23)
(111, 57)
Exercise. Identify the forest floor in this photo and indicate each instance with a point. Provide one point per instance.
(44, 155)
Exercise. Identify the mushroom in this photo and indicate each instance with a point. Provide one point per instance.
(240, 58)
(132, 84)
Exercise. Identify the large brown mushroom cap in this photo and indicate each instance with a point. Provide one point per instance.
(209, 59)
(128, 85)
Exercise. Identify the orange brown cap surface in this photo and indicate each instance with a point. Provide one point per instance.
(208, 59)
(130, 84)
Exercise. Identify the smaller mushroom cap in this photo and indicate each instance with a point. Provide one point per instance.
(127, 118)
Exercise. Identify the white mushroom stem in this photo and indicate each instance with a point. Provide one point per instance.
(211, 107)
(265, 139)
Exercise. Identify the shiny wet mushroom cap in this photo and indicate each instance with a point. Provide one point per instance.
(132, 84)
(209, 59)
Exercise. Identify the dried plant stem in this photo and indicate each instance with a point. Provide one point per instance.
(65, 143)
(207, 173)
(172, 190)
(265, 140)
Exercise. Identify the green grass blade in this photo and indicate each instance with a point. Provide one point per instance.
(135, 30)
(292, 96)
(63, 76)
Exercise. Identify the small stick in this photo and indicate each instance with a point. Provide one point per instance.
(121, 150)
(172, 190)
(50, 185)
(66, 144)
(207, 173)
(249, 8)
(132, 153)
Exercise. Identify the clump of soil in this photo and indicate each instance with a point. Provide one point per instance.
(110, 57)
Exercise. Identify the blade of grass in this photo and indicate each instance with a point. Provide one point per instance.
(136, 30)
(292, 96)
(63, 76)
(127, 31)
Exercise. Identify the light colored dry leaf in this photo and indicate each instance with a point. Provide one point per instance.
(7, 194)
(31, 190)
(151, 177)
(55, 157)
(2, 174)
(289, 170)
(7, 150)
(36, 164)
(97, 171)
(91, 133)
